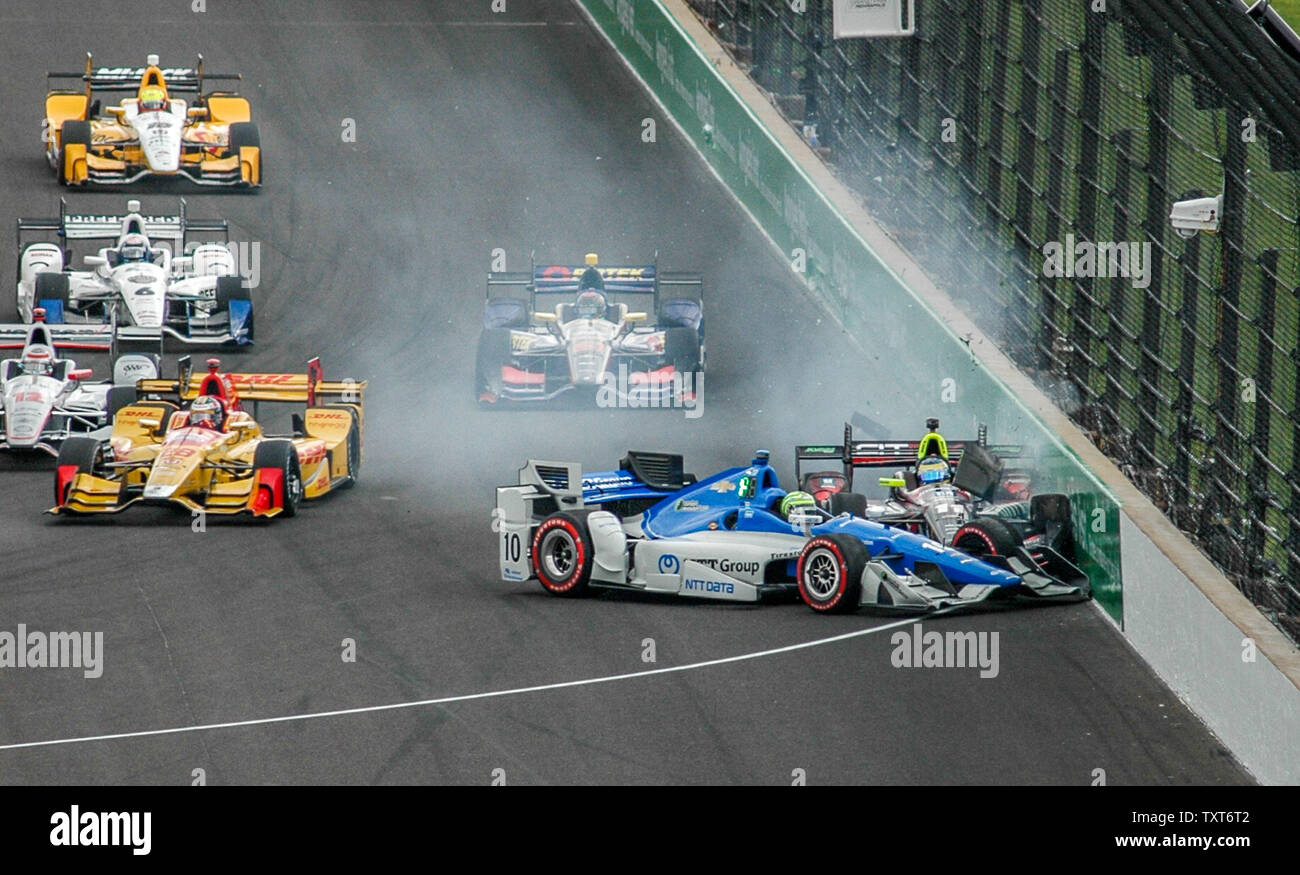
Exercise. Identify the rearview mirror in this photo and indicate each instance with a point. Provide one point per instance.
(632, 318)
(151, 425)
(898, 482)
(80, 374)
(544, 317)
(95, 261)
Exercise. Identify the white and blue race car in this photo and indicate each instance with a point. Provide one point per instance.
(649, 527)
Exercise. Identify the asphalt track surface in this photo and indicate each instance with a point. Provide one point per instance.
(477, 131)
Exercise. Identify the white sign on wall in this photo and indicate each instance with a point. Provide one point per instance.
(859, 18)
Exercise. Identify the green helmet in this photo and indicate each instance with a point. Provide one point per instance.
(796, 499)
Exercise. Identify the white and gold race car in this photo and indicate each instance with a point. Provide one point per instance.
(152, 132)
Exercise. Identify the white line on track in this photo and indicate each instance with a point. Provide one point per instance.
(494, 694)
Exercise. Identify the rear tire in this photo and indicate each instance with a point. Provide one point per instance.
(852, 502)
(830, 573)
(281, 455)
(682, 349)
(563, 554)
(53, 287)
(505, 313)
(119, 397)
(986, 536)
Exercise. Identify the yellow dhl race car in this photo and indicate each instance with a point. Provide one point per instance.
(189, 442)
(211, 141)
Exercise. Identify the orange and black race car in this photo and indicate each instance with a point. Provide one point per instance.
(191, 443)
(152, 132)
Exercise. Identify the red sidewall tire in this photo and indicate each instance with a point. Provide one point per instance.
(575, 581)
(815, 546)
(969, 531)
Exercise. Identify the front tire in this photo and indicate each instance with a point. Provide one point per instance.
(493, 352)
(72, 132)
(281, 456)
(563, 554)
(986, 536)
(246, 134)
(830, 573)
(82, 454)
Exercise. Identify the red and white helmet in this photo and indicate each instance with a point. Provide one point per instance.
(208, 411)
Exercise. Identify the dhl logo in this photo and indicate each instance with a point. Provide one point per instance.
(265, 379)
(330, 417)
(133, 413)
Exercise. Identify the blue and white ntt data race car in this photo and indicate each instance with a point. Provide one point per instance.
(738, 536)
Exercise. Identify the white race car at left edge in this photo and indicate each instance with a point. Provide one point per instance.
(44, 399)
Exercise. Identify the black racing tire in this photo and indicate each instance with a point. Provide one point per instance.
(354, 445)
(119, 397)
(86, 453)
(493, 352)
(562, 554)
(231, 288)
(986, 536)
(830, 573)
(516, 307)
(280, 455)
(53, 286)
(853, 502)
(76, 132)
(682, 349)
(244, 134)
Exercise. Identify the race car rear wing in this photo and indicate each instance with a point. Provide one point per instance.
(99, 226)
(620, 280)
(308, 388)
(84, 337)
(986, 463)
(179, 79)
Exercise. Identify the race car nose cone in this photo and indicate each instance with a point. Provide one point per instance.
(159, 490)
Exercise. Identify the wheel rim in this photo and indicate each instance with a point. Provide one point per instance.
(821, 574)
(558, 556)
(293, 487)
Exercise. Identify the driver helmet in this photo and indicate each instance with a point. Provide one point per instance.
(590, 278)
(796, 499)
(134, 247)
(38, 360)
(207, 411)
(152, 98)
(590, 305)
(933, 469)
